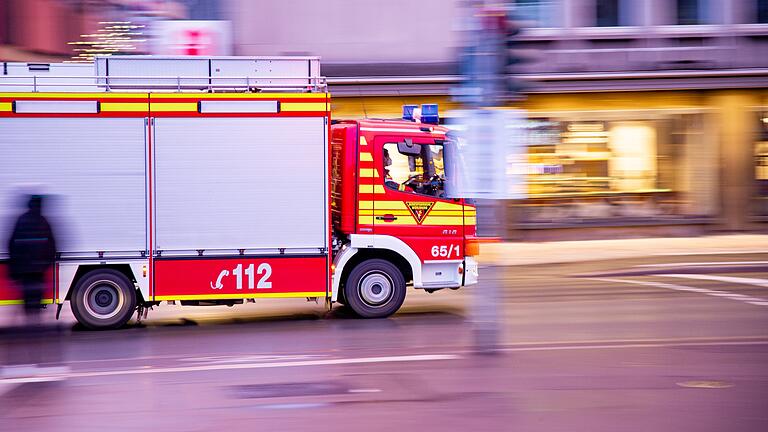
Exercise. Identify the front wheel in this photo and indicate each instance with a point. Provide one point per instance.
(375, 289)
(103, 299)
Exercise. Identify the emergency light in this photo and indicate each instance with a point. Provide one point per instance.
(429, 114)
(408, 112)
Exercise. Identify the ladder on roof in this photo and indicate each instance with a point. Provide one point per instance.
(168, 74)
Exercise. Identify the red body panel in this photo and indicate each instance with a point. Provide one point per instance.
(217, 278)
(10, 292)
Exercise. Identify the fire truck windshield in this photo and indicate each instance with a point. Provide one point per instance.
(454, 162)
(423, 174)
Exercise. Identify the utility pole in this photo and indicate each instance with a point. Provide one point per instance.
(488, 56)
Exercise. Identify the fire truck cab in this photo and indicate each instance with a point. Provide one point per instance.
(392, 219)
(221, 180)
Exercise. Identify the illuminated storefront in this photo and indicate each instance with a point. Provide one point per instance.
(761, 167)
(679, 162)
(618, 167)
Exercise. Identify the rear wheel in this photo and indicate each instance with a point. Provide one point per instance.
(103, 299)
(375, 289)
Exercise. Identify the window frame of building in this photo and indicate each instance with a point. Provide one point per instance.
(761, 12)
(703, 13)
(608, 13)
(539, 13)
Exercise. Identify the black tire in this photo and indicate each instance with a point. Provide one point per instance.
(103, 299)
(375, 289)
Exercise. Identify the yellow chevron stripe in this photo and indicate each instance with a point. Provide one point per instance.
(398, 212)
(124, 107)
(369, 173)
(363, 142)
(390, 205)
(443, 220)
(379, 212)
(446, 213)
(318, 96)
(6, 106)
(303, 106)
(75, 95)
(400, 221)
(446, 206)
(371, 189)
(366, 157)
(173, 106)
(430, 220)
(240, 296)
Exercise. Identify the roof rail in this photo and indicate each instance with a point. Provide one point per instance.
(168, 74)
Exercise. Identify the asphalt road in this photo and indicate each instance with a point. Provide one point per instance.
(656, 344)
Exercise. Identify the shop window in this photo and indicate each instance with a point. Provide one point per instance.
(602, 171)
(414, 168)
(761, 166)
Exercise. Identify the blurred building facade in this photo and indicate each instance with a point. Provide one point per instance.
(647, 117)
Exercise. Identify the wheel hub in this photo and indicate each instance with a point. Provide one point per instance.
(103, 299)
(376, 288)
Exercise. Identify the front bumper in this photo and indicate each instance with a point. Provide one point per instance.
(470, 271)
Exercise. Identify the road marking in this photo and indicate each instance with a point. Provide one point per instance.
(630, 345)
(240, 366)
(10, 383)
(364, 390)
(294, 405)
(684, 340)
(732, 279)
(739, 252)
(705, 384)
(6, 387)
(714, 293)
(249, 358)
(699, 264)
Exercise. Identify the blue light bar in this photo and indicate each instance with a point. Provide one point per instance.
(408, 112)
(429, 114)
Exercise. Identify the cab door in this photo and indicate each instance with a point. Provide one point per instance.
(411, 205)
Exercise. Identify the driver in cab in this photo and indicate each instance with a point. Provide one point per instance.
(388, 181)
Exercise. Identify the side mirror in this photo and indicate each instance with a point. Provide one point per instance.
(407, 147)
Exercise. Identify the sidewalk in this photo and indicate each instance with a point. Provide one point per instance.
(505, 254)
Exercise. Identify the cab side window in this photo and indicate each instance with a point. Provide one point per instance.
(418, 169)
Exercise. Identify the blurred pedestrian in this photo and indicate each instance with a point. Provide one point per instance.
(32, 250)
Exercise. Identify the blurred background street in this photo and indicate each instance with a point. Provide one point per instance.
(630, 269)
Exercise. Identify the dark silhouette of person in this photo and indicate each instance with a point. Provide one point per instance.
(32, 250)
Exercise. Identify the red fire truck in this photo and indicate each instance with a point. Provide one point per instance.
(215, 181)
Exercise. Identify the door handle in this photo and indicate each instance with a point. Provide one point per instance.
(386, 218)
